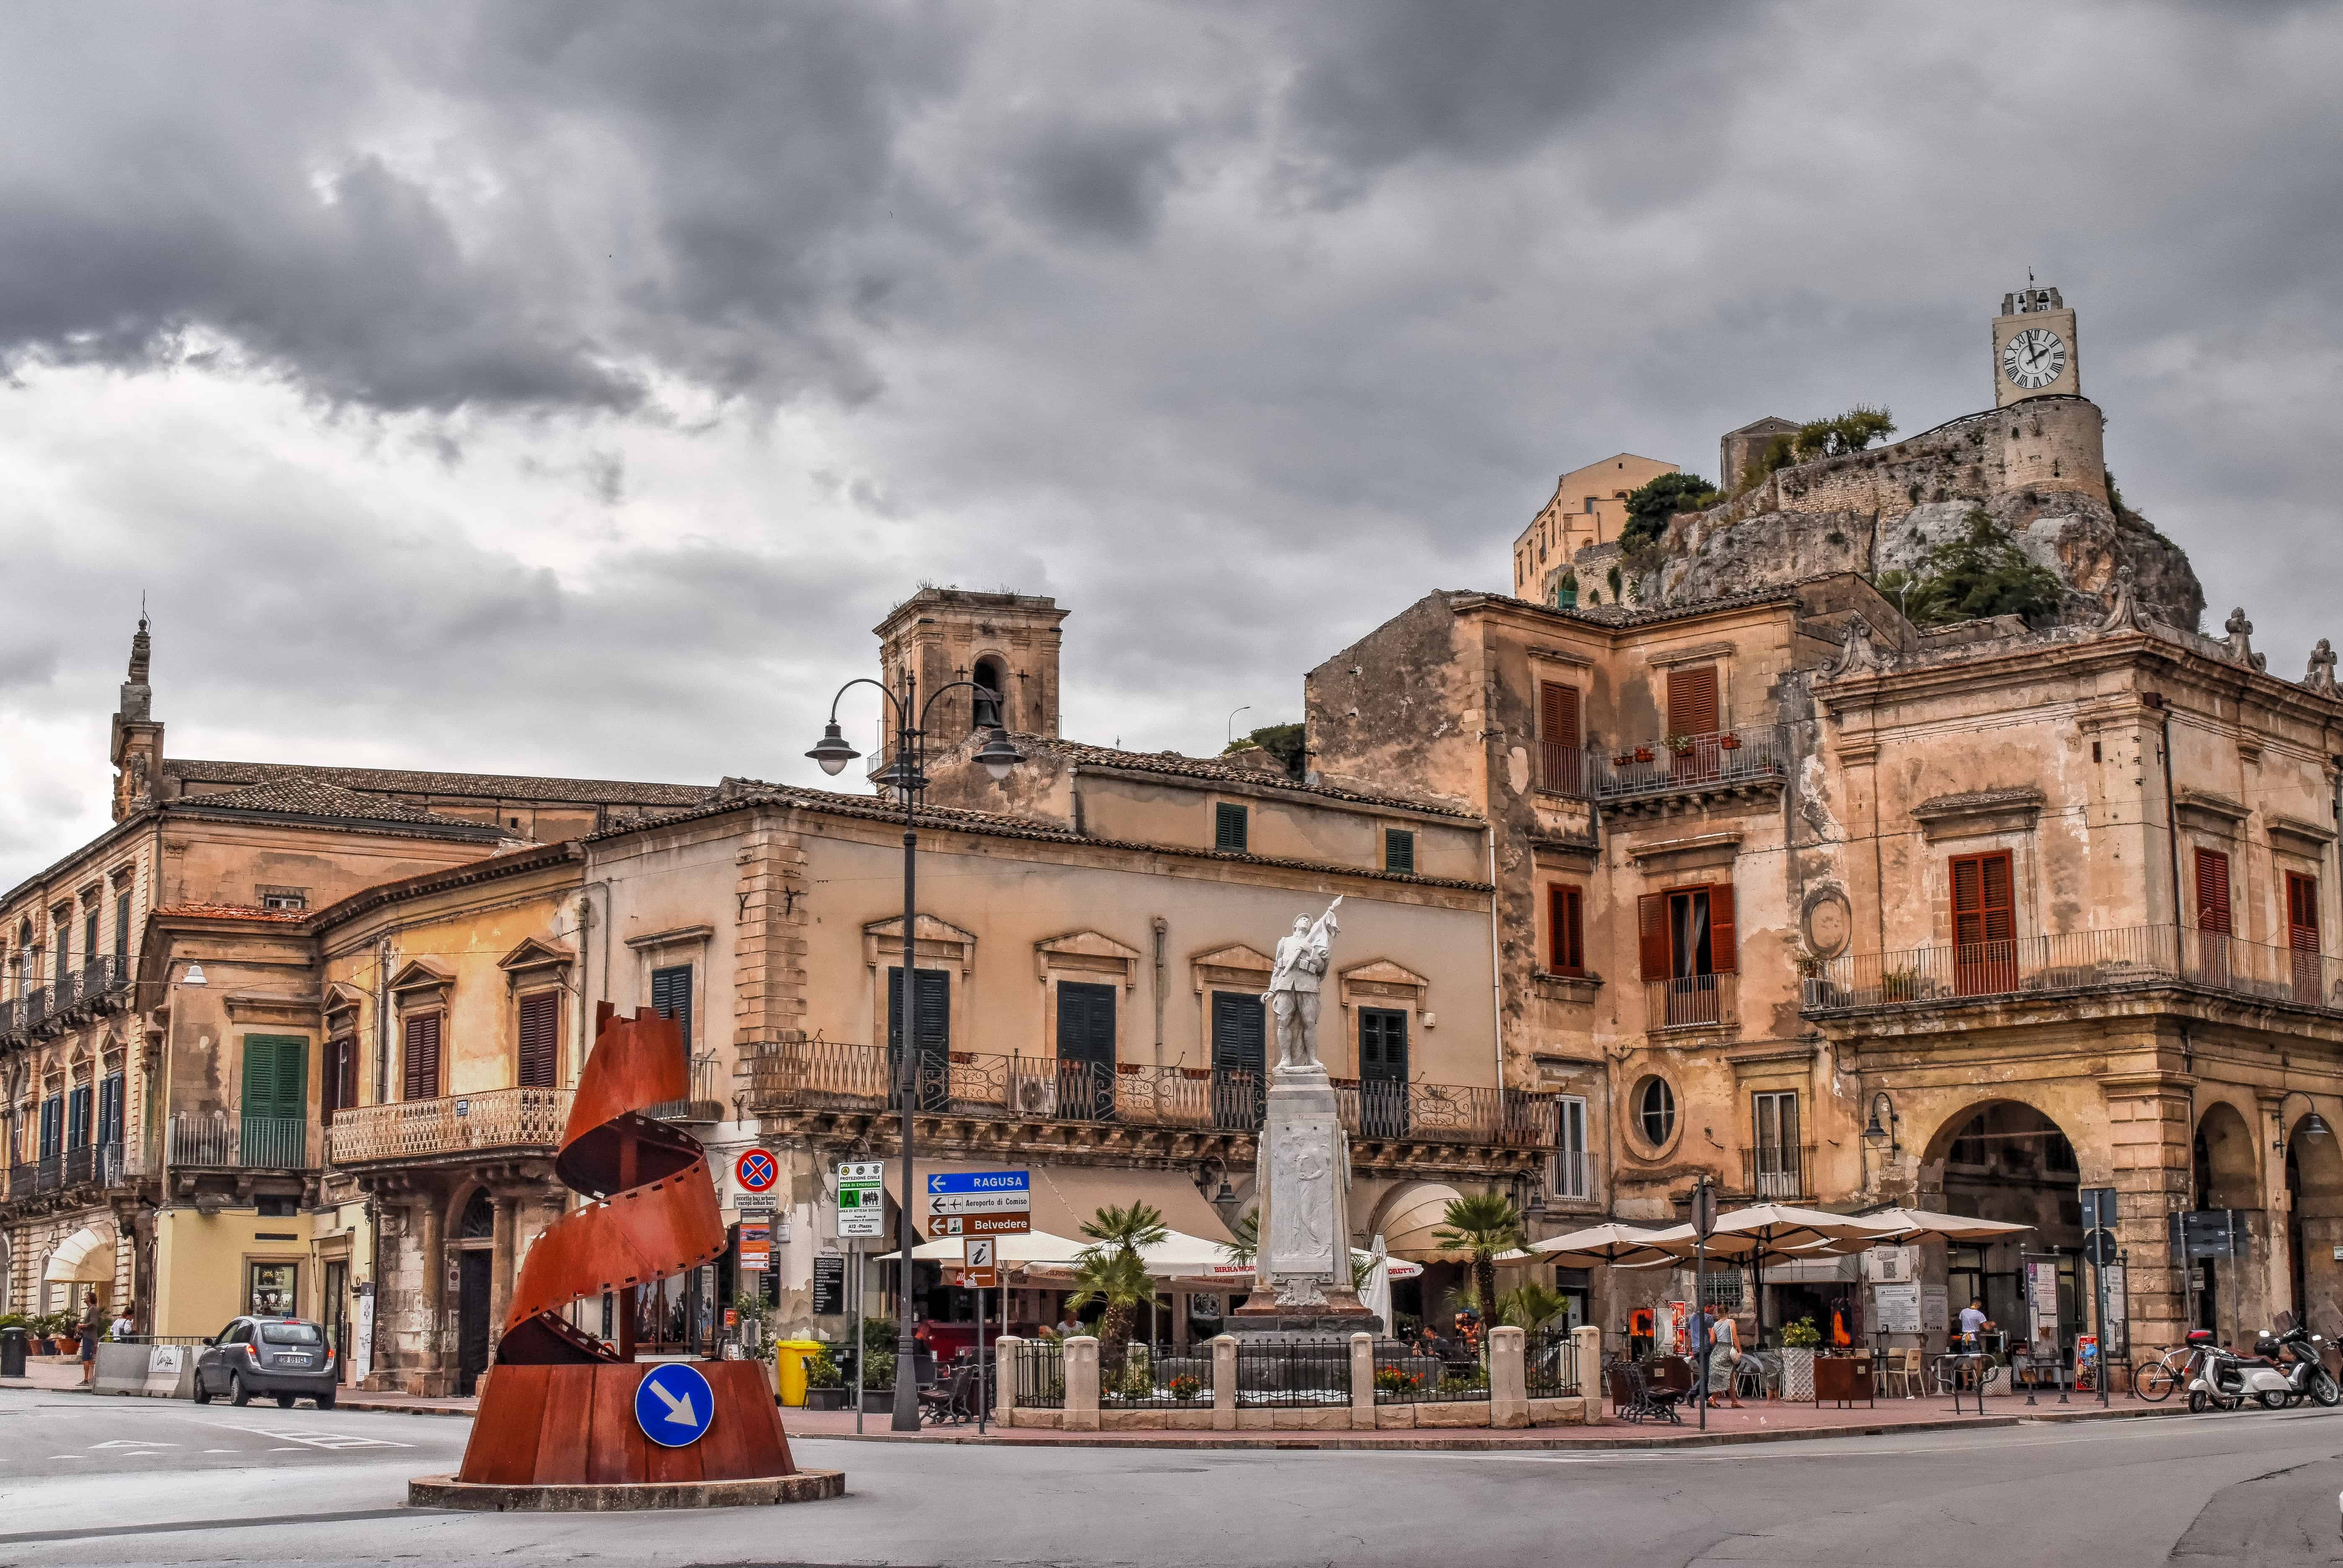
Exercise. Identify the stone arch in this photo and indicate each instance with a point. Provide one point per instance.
(2002, 1157)
(2227, 1162)
(2226, 1172)
(2313, 1228)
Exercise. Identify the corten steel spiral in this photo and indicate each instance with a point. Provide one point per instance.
(558, 1408)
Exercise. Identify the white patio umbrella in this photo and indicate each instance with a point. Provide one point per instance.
(1595, 1247)
(1895, 1226)
(1769, 1233)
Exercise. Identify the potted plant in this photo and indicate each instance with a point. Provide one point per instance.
(1729, 741)
(1396, 1385)
(1680, 744)
(825, 1382)
(1798, 1342)
(1620, 758)
(1186, 1387)
(1643, 754)
(878, 1379)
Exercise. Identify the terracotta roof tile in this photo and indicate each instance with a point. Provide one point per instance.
(301, 796)
(1184, 766)
(230, 912)
(486, 786)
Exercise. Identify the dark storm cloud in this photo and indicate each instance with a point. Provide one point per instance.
(1235, 326)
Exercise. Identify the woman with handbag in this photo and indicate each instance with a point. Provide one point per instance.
(1724, 1362)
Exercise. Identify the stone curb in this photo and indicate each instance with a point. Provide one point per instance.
(447, 1492)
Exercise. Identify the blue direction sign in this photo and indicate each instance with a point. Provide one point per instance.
(674, 1404)
(979, 1182)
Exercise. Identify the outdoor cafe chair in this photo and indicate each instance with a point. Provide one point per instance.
(952, 1399)
(1635, 1398)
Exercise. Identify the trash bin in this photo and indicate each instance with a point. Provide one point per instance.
(789, 1368)
(12, 1353)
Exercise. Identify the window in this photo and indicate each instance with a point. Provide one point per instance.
(77, 1117)
(1085, 1051)
(53, 1126)
(1775, 1169)
(1984, 931)
(89, 935)
(1719, 1289)
(275, 1099)
(1229, 828)
(1567, 931)
(109, 1108)
(1692, 701)
(61, 929)
(2302, 934)
(931, 1066)
(421, 1075)
(1559, 740)
(988, 712)
(1590, 506)
(122, 925)
(1399, 851)
(1569, 1173)
(271, 1292)
(1240, 1044)
(672, 998)
(1688, 938)
(283, 899)
(1382, 1072)
(1655, 1112)
(341, 1087)
(541, 1038)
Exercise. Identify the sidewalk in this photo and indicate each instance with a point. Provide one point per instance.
(1770, 1422)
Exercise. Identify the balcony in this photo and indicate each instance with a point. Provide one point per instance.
(218, 1141)
(789, 1076)
(1778, 1171)
(2126, 957)
(703, 1103)
(1647, 775)
(1693, 1001)
(92, 1164)
(102, 980)
(424, 1131)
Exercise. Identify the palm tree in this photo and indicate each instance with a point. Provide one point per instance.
(1245, 1243)
(1532, 1305)
(1483, 1224)
(1113, 1272)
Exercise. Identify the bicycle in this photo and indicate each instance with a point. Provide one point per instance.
(2153, 1380)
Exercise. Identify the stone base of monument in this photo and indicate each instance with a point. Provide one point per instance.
(481, 1497)
(1339, 1316)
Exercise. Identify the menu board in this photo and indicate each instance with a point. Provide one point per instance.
(2042, 1302)
(1934, 1319)
(1895, 1309)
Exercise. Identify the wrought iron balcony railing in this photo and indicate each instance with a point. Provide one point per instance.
(2076, 960)
(221, 1141)
(1662, 764)
(1693, 1001)
(1778, 1170)
(411, 1131)
(704, 1103)
(797, 1075)
(100, 1164)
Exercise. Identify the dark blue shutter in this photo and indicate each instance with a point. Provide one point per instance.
(109, 1109)
(932, 1068)
(77, 1125)
(52, 1125)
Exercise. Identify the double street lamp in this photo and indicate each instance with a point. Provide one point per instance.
(907, 775)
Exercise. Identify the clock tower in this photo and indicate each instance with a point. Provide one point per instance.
(2033, 349)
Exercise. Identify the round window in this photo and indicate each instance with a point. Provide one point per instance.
(1655, 1111)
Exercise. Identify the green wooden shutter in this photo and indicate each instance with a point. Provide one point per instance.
(275, 1099)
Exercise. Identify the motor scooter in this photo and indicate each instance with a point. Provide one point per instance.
(2224, 1380)
(2302, 1356)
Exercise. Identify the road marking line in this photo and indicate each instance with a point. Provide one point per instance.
(319, 1439)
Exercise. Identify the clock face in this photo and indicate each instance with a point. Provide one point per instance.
(2034, 357)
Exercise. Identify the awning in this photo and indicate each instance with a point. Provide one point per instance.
(1066, 1197)
(84, 1257)
(1814, 1270)
(1410, 1217)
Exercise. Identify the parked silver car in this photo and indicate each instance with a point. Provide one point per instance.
(284, 1357)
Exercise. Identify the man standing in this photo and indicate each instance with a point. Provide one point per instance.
(90, 1325)
(1292, 994)
(1974, 1322)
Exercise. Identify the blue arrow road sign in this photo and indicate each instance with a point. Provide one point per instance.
(979, 1182)
(674, 1404)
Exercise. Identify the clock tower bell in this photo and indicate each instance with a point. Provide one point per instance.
(2034, 347)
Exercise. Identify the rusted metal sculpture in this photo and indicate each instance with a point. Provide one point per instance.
(559, 1407)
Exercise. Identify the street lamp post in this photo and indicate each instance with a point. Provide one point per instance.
(908, 778)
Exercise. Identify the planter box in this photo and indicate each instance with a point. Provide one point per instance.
(879, 1401)
(1843, 1378)
(1798, 1375)
(830, 1399)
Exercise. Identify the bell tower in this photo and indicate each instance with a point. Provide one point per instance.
(2034, 354)
(1008, 641)
(138, 748)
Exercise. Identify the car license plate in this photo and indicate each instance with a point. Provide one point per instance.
(295, 1360)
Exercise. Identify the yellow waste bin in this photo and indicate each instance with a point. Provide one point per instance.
(789, 1368)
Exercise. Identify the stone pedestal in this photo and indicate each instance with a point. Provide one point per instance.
(1303, 1268)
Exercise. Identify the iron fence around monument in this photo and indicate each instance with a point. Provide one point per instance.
(1550, 1362)
(1041, 1374)
(1300, 1372)
(1155, 1377)
(1405, 1378)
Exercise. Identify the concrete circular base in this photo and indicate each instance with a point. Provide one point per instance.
(447, 1492)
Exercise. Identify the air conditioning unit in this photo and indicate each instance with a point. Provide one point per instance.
(1037, 1097)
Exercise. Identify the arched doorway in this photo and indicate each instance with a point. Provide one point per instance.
(475, 1240)
(2227, 1176)
(2314, 1186)
(2006, 1161)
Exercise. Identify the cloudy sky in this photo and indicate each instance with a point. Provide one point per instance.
(570, 388)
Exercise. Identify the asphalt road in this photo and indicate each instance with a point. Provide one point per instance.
(92, 1480)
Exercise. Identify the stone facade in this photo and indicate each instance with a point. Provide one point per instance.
(1586, 511)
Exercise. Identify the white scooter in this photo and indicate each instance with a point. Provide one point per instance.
(2223, 1381)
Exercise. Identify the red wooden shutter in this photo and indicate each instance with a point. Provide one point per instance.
(2213, 891)
(1724, 947)
(1983, 909)
(1691, 700)
(1652, 934)
(2301, 912)
(1557, 714)
(541, 1019)
(423, 1057)
(1566, 917)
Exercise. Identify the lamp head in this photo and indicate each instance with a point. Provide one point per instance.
(999, 755)
(1874, 1133)
(833, 753)
(2315, 1126)
(194, 976)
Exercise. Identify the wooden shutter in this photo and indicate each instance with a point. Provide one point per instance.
(1228, 829)
(1723, 943)
(1399, 851)
(672, 998)
(1691, 700)
(1239, 1033)
(1564, 920)
(2213, 891)
(422, 1057)
(1982, 907)
(2301, 912)
(334, 1081)
(1652, 934)
(1383, 1044)
(1557, 713)
(541, 1038)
